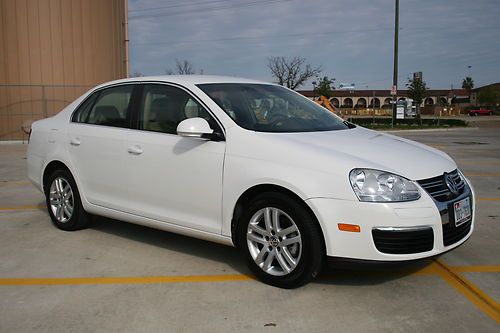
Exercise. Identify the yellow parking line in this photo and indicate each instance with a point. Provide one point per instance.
(429, 270)
(123, 280)
(484, 302)
(19, 208)
(14, 183)
(488, 199)
(473, 269)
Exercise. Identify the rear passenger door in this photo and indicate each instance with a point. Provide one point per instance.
(175, 179)
(96, 140)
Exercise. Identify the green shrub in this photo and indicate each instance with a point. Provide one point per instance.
(409, 123)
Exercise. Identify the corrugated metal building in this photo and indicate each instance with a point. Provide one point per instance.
(51, 51)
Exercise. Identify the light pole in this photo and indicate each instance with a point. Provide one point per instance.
(395, 74)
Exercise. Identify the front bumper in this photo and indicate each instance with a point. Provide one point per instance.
(420, 214)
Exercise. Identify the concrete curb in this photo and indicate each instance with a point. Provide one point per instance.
(12, 142)
(432, 130)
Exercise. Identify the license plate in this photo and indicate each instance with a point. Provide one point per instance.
(462, 211)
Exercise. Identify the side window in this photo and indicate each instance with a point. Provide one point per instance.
(108, 108)
(164, 107)
(81, 115)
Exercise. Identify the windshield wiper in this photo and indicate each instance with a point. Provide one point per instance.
(348, 124)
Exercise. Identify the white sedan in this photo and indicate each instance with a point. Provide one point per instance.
(249, 164)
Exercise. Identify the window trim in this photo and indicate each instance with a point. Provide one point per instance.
(139, 97)
(128, 114)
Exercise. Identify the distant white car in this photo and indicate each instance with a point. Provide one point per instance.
(250, 164)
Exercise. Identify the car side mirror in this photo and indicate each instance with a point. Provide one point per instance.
(195, 128)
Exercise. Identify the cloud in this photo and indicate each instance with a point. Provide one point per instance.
(352, 40)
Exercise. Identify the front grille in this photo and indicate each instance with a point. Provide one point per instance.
(438, 189)
(452, 234)
(402, 241)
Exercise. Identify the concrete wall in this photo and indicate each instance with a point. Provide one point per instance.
(51, 51)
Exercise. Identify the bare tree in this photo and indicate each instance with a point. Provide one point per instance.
(291, 72)
(182, 67)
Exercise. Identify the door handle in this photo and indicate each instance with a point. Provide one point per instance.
(135, 150)
(75, 142)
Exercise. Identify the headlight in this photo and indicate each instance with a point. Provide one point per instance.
(380, 186)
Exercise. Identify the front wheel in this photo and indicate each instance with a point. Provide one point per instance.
(280, 240)
(63, 202)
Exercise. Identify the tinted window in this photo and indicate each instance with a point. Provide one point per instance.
(164, 107)
(270, 108)
(107, 107)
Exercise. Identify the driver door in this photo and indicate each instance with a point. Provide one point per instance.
(174, 179)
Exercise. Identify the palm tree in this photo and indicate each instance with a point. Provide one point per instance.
(468, 84)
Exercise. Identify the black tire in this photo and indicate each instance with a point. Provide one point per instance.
(312, 249)
(79, 218)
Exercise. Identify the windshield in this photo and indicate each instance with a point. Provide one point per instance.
(270, 108)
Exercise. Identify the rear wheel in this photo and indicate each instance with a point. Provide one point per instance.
(63, 202)
(281, 240)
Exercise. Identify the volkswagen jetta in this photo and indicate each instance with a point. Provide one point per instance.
(249, 164)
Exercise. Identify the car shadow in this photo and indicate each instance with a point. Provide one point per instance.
(171, 241)
(370, 274)
(353, 275)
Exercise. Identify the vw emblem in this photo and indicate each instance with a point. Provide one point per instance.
(450, 183)
(274, 242)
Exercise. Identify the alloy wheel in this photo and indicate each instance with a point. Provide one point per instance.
(61, 200)
(274, 241)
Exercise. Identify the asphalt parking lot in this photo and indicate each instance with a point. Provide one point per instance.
(121, 277)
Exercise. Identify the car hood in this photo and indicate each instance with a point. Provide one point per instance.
(342, 150)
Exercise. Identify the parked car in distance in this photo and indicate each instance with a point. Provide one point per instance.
(480, 112)
(252, 165)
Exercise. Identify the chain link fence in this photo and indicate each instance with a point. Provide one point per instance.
(22, 104)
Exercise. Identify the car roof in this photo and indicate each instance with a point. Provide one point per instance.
(185, 79)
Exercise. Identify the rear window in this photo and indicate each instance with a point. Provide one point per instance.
(108, 107)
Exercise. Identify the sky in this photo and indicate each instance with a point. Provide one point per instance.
(352, 40)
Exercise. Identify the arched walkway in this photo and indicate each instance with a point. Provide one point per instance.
(375, 103)
(347, 102)
(361, 103)
(387, 103)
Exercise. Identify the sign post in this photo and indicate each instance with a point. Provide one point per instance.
(393, 90)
